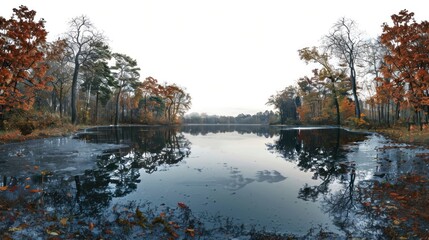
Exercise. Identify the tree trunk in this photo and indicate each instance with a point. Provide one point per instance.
(74, 90)
(388, 114)
(397, 111)
(96, 107)
(354, 89)
(54, 101)
(117, 107)
(337, 106)
(87, 114)
(61, 100)
(123, 110)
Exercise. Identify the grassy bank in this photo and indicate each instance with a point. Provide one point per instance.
(403, 135)
(16, 136)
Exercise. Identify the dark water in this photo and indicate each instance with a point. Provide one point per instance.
(283, 180)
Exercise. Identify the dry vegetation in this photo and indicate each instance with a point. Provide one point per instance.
(16, 136)
(402, 134)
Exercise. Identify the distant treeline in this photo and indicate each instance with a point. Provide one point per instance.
(267, 117)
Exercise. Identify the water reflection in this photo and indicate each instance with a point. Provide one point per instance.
(286, 180)
(147, 148)
(204, 129)
(320, 151)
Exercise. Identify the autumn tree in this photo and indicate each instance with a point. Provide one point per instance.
(177, 102)
(150, 102)
(327, 72)
(347, 44)
(406, 69)
(126, 74)
(81, 39)
(23, 69)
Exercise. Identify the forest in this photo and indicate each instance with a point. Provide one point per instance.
(79, 79)
(362, 82)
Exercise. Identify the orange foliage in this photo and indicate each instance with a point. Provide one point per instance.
(22, 60)
(406, 72)
(347, 108)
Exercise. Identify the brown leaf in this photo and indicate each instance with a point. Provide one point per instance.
(63, 221)
(91, 226)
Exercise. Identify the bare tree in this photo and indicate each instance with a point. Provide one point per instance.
(81, 38)
(346, 42)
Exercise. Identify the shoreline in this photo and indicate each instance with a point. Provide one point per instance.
(397, 134)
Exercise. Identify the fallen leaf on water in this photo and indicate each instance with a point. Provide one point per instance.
(63, 221)
(35, 190)
(190, 231)
(18, 228)
(91, 226)
(14, 229)
(53, 233)
(182, 205)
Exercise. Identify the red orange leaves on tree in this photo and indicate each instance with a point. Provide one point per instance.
(405, 72)
(22, 59)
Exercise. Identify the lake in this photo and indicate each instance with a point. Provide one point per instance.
(232, 179)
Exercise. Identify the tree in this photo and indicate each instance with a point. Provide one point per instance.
(23, 70)
(327, 72)
(405, 73)
(97, 75)
(374, 59)
(126, 74)
(81, 39)
(347, 44)
(177, 102)
(57, 57)
(286, 102)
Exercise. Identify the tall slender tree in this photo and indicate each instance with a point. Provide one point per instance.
(82, 38)
(126, 74)
(58, 59)
(97, 75)
(347, 43)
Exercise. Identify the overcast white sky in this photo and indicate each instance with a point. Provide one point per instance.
(230, 55)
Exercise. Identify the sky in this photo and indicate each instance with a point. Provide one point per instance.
(229, 55)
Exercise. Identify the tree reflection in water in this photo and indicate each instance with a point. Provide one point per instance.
(116, 174)
(320, 151)
(324, 153)
(327, 154)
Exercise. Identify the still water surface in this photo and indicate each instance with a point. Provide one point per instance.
(284, 180)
